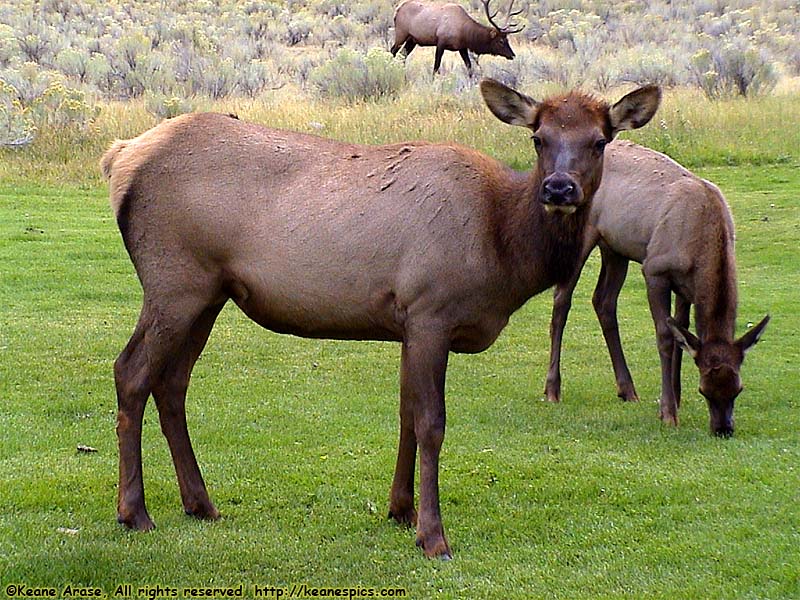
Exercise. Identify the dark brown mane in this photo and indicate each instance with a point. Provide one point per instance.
(562, 246)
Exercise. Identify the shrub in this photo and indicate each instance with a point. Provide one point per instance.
(125, 49)
(733, 67)
(64, 107)
(32, 100)
(131, 63)
(255, 77)
(16, 125)
(298, 30)
(27, 83)
(8, 45)
(100, 73)
(37, 41)
(74, 63)
(793, 60)
(166, 107)
(217, 78)
(355, 76)
(648, 66)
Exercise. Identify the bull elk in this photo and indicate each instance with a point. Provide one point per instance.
(430, 245)
(449, 27)
(651, 210)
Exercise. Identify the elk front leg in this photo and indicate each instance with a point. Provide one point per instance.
(659, 295)
(424, 362)
(613, 271)
(401, 499)
(465, 57)
(681, 318)
(437, 61)
(562, 302)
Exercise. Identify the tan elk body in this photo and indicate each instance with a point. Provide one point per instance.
(430, 245)
(448, 27)
(651, 210)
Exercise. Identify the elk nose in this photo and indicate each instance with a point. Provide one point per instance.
(725, 431)
(559, 189)
(723, 428)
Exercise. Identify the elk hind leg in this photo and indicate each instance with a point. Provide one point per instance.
(132, 379)
(152, 350)
(170, 396)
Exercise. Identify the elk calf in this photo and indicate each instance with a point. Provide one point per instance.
(430, 245)
(651, 210)
(449, 27)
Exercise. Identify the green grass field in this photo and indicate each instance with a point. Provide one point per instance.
(591, 498)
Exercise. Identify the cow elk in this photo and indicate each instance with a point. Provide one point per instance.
(449, 27)
(430, 245)
(651, 210)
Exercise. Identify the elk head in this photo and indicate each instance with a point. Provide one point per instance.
(570, 133)
(498, 44)
(719, 364)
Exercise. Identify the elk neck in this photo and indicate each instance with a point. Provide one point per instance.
(536, 250)
(715, 291)
(478, 37)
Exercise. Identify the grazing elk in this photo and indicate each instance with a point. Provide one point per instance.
(430, 245)
(449, 27)
(651, 210)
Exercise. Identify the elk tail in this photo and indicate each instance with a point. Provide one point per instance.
(107, 162)
(120, 186)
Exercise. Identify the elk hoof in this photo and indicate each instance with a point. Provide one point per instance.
(435, 548)
(138, 521)
(206, 512)
(552, 396)
(669, 419)
(627, 393)
(404, 516)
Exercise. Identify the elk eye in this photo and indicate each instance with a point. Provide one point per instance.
(600, 144)
(537, 142)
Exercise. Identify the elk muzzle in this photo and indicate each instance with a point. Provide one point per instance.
(720, 386)
(721, 418)
(560, 192)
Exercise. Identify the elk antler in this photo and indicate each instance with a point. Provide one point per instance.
(490, 16)
(508, 28)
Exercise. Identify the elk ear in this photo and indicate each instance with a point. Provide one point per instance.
(507, 104)
(684, 338)
(493, 33)
(749, 339)
(635, 109)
